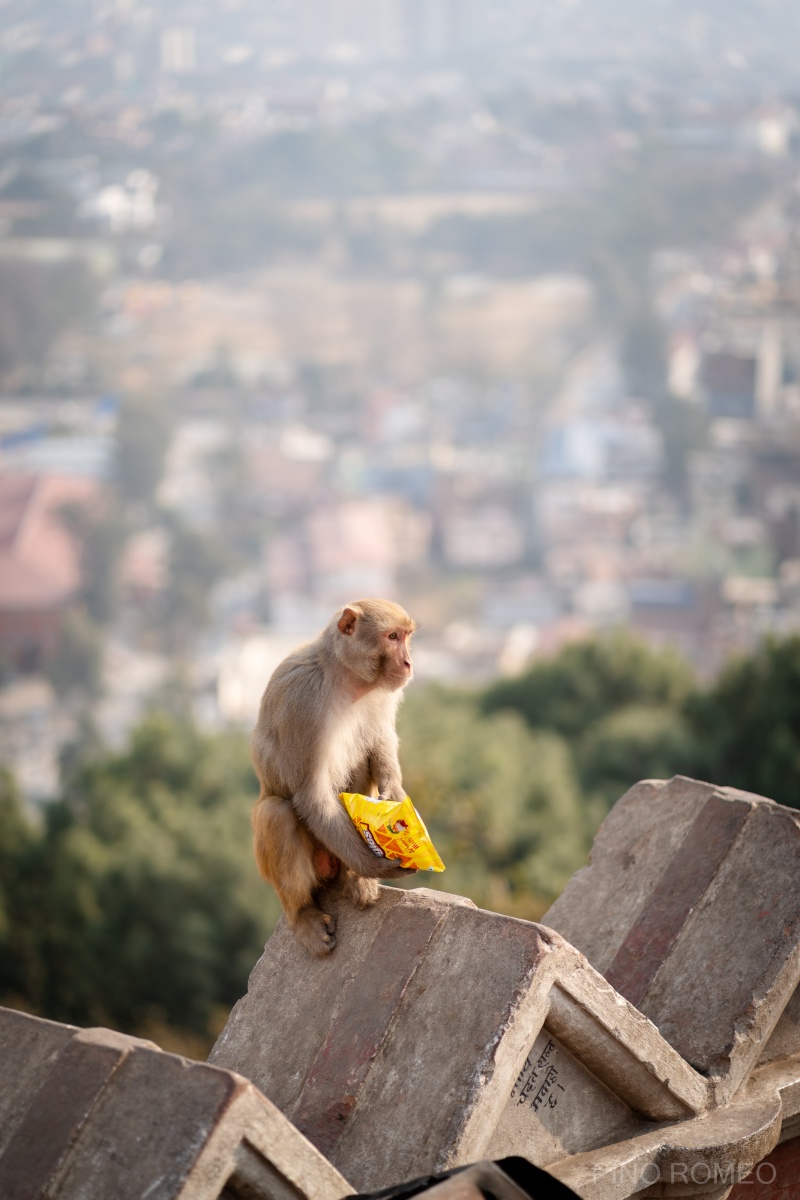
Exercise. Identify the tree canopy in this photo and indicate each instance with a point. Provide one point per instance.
(135, 901)
(748, 722)
(138, 902)
(501, 802)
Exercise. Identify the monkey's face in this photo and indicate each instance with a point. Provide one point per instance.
(396, 665)
(374, 642)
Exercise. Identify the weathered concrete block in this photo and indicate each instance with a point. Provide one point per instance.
(28, 1050)
(92, 1114)
(691, 909)
(438, 1034)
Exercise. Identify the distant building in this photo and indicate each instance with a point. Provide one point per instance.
(437, 28)
(39, 563)
(485, 537)
(178, 52)
(126, 206)
(729, 384)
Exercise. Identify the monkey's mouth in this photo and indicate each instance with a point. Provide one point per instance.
(400, 677)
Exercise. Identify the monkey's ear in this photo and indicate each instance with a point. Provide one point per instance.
(347, 621)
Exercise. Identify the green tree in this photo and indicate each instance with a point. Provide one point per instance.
(142, 902)
(78, 662)
(748, 722)
(37, 303)
(197, 560)
(588, 679)
(100, 533)
(633, 743)
(17, 839)
(622, 707)
(144, 426)
(501, 803)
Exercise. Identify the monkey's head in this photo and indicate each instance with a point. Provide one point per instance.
(373, 640)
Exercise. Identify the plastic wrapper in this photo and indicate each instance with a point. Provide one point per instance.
(393, 829)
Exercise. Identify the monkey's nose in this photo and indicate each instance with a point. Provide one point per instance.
(407, 663)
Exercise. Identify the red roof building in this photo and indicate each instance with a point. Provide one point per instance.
(39, 563)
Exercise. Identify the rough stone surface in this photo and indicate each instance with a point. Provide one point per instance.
(89, 1115)
(424, 1030)
(691, 909)
(438, 1034)
(58, 1113)
(640, 835)
(28, 1049)
(776, 1178)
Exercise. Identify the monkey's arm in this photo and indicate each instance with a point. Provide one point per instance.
(384, 767)
(322, 812)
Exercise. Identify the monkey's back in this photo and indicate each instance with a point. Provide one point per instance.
(290, 719)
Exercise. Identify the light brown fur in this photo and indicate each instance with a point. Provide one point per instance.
(327, 725)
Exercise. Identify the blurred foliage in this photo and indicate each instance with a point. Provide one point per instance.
(589, 679)
(619, 703)
(100, 532)
(144, 426)
(501, 802)
(748, 722)
(197, 560)
(78, 661)
(38, 302)
(632, 743)
(136, 902)
(16, 837)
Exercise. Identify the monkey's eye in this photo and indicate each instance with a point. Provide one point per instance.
(393, 636)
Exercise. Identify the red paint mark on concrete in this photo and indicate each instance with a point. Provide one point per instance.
(777, 1177)
(681, 886)
(365, 1016)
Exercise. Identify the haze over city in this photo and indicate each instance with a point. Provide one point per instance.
(490, 308)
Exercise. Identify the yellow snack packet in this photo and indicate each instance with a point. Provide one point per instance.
(393, 829)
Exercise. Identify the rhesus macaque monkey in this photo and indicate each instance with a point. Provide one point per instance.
(327, 725)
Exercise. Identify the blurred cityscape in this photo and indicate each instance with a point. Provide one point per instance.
(493, 309)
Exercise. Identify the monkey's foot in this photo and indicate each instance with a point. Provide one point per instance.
(363, 892)
(315, 930)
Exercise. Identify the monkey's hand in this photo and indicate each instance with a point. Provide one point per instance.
(384, 868)
(393, 870)
(325, 816)
(394, 792)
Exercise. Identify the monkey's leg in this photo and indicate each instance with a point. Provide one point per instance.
(285, 853)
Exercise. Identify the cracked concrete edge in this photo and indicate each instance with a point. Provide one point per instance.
(244, 1136)
(283, 1157)
(724, 1145)
(751, 1040)
(514, 1039)
(620, 1045)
